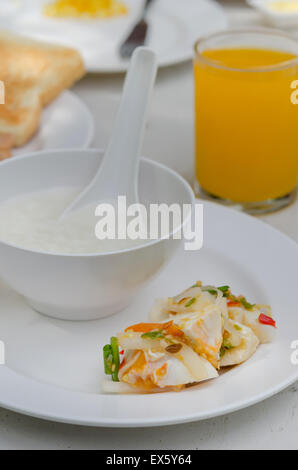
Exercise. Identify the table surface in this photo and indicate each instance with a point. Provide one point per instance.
(272, 424)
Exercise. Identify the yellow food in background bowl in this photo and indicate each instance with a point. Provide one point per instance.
(284, 6)
(85, 8)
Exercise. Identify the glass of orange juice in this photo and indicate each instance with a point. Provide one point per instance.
(246, 119)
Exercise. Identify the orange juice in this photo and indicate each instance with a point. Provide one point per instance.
(246, 126)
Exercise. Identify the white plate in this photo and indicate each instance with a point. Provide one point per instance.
(175, 25)
(65, 123)
(54, 368)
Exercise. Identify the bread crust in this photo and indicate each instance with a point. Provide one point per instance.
(34, 73)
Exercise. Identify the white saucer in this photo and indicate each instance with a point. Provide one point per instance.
(174, 27)
(54, 368)
(65, 123)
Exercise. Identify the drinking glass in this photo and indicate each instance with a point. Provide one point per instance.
(246, 119)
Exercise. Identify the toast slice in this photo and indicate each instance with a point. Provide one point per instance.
(34, 73)
(20, 115)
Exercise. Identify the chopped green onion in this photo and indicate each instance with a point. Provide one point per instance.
(190, 302)
(153, 335)
(225, 347)
(237, 327)
(246, 304)
(224, 288)
(222, 351)
(212, 291)
(111, 359)
(108, 359)
(226, 344)
(116, 358)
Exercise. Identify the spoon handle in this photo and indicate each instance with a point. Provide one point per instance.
(119, 170)
(118, 173)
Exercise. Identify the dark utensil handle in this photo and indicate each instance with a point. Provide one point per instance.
(147, 3)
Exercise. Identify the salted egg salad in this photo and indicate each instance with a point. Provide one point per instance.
(187, 340)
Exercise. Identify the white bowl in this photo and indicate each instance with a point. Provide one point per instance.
(279, 19)
(84, 287)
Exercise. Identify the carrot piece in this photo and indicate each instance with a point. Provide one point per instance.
(144, 327)
(234, 303)
(173, 330)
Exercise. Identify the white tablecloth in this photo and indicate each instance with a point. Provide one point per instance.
(271, 424)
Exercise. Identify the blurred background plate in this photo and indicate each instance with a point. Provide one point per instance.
(174, 26)
(65, 123)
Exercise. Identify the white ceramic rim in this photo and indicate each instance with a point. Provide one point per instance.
(179, 58)
(84, 112)
(91, 124)
(64, 397)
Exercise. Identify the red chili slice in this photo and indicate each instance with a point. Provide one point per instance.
(265, 320)
(122, 352)
(234, 303)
